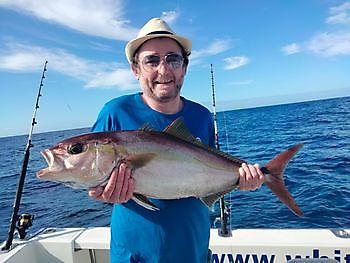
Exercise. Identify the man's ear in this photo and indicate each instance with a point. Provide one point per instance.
(136, 71)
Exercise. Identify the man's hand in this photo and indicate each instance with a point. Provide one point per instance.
(251, 177)
(119, 188)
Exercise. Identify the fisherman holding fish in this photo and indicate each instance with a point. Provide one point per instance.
(163, 176)
(179, 230)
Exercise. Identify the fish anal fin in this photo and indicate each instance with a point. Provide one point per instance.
(144, 202)
(139, 160)
(211, 199)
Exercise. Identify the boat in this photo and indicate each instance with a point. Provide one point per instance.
(76, 245)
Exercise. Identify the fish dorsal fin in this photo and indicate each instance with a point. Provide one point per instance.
(178, 129)
(144, 202)
(228, 156)
(146, 127)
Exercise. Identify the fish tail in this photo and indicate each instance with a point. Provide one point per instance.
(274, 178)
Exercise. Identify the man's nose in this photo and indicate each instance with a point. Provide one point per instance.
(163, 66)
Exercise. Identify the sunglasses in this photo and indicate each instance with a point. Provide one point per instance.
(173, 60)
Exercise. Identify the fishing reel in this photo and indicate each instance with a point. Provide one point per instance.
(24, 222)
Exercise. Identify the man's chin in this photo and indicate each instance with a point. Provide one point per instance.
(166, 96)
(166, 93)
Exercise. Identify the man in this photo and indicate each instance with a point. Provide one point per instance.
(179, 231)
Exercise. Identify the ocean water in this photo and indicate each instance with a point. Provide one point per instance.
(318, 177)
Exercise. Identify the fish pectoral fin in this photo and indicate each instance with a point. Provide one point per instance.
(211, 199)
(144, 202)
(140, 160)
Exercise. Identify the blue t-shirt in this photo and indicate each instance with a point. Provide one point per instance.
(179, 231)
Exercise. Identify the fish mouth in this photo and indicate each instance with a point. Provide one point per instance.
(47, 154)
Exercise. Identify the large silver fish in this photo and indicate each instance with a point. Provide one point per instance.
(166, 165)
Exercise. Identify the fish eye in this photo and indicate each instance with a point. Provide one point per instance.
(76, 148)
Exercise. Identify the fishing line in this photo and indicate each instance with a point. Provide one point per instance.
(226, 133)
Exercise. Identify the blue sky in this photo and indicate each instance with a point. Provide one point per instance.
(263, 52)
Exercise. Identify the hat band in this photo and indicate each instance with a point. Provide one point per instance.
(160, 32)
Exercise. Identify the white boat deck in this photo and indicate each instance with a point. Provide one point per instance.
(75, 245)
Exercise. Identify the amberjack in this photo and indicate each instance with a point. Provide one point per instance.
(170, 164)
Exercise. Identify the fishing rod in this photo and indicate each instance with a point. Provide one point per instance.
(224, 211)
(24, 221)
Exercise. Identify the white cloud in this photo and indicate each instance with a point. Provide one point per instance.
(291, 49)
(97, 18)
(326, 44)
(240, 83)
(339, 14)
(235, 62)
(121, 78)
(216, 47)
(170, 16)
(24, 58)
(101, 47)
(330, 44)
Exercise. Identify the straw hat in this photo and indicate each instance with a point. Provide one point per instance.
(154, 28)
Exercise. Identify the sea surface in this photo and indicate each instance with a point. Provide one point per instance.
(318, 177)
